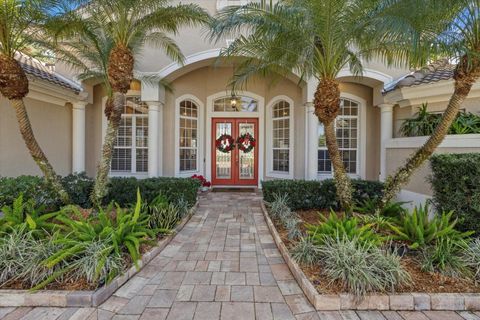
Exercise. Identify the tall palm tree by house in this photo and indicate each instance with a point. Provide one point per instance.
(20, 27)
(131, 24)
(460, 39)
(309, 37)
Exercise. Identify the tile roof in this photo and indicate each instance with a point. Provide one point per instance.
(434, 72)
(39, 70)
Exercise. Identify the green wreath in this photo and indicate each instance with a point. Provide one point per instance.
(246, 142)
(225, 143)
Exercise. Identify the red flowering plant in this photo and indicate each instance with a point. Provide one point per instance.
(204, 182)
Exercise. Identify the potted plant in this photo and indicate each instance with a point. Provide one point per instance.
(205, 184)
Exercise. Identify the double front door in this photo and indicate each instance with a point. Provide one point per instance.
(235, 166)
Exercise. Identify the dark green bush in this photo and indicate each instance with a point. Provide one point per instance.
(79, 186)
(33, 188)
(456, 186)
(123, 190)
(303, 194)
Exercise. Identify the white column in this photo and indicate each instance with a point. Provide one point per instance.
(311, 143)
(386, 133)
(154, 142)
(78, 136)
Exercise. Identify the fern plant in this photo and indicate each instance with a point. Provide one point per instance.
(120, 231)
(25, 214)
(418, 230)
(339, 226)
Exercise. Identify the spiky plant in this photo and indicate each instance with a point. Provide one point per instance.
(21, 25)
(360, 266)
(305, 251)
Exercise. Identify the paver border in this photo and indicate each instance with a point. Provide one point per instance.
(90, 298)
(402, 301)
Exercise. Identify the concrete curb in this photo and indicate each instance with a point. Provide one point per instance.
(403, 301)
(70, 298)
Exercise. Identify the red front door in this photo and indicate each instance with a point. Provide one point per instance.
(235, 167)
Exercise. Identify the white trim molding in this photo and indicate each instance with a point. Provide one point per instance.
(367, 73)
(269, 141)
(200, 136)
(386, 134)
(155, 126)
(78, 136)
(260, 114)
(450, 141)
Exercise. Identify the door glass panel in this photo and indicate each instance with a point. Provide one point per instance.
(223, 160)
(247, 160)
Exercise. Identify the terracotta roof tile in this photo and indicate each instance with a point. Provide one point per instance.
(37, 69)
(437, 71)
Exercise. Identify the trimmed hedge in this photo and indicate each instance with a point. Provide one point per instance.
(455, 181)
(306, 194)
(79, 186)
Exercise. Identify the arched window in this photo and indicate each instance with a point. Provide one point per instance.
(130, 153)
(347, 132)
(188, 136)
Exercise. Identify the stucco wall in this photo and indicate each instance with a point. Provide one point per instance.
(207, 81)
(52, 126)
(93, 130)
(418, 183)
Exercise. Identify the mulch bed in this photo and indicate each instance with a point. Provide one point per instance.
(426, 282)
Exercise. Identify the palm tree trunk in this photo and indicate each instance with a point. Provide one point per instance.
(327, 107)
(402, 175)
(100, 188)
(36, 152)
(342, 180)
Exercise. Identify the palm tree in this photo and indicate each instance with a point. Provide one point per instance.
(20, 27)
(130, 25)
(309, 37)
(459, 39)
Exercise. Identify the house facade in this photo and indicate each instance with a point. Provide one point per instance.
(175, 132)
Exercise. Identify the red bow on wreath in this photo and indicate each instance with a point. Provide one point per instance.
(246, 142)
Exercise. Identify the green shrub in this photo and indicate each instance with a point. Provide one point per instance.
(26, 215)
(123, 190)
(303, 194)
(456, 186)
(33, 188)
(120, 231)
(370, 206)
(305, 251)
(425, 122)
(340, 226)
(79, 186)
(419, 230)
(360, 266)
(446, 257)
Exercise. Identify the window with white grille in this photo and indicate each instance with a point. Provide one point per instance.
(188, 144)
(130, 154)
(347, 133)
(281, 136)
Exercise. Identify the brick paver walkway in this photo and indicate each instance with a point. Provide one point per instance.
(222, 265)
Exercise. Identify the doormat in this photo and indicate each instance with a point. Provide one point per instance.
(233, 190)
